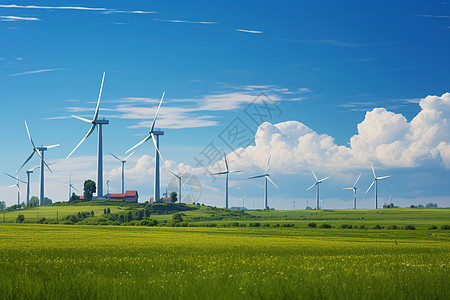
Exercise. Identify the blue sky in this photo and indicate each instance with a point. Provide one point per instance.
(349, 80)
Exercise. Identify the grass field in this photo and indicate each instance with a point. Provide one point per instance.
(127, 262)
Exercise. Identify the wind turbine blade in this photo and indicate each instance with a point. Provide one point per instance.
(52, 146)
(370, 186)
(34, 168)
(185, 171)
(314, 174)
(126, 158)
(85, 137)
(28, 159)
(267, 165)
(13, 177)
(82, 119)
(174, 174)
(268, 178)
(225, 159)
(220, 173)
(39, 153)
(323, 179)
(74, 188)
(14, 185)
(140, 143)
(157, 111)
(259, 176)
(348, 188)
(312, 186)
(373, 170)
(235, 171)
(357, 180)
(98, 101)
(156, 147)
(29, 135)
(383, 177)
(18, 190)
(115, 157)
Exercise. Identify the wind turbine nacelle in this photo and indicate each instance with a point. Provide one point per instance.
(102, 122)
(158, 132)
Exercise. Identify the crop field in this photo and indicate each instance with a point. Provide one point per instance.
(134, 262)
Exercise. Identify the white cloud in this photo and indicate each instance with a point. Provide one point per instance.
(385, 138)
(36, 71)
(249, 31)
(189, 22)
(82, 8)
(16, 18)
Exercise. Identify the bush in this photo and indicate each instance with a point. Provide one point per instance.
(345, 226)
(178, 218)
(242, 225)
(445, 227)
(42, 220)
(20, 218)
(325, 225)
(432, 227)
(377, 227)
(256, 224)
(266, 225)
(410, 227)
(312, 225)
(393, 227)
(362, 227)
(288, 225)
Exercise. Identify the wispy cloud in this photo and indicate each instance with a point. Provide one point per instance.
(434, 16)
(185, 21)
(340, 43)
(249, 31)
(16, 18)
(83, 8)
(36, 71)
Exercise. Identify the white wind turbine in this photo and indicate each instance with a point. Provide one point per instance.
(375, 180)
(154, 135)
(317, 185)
(94, 123)
(354, 188)
(226, 180)
(266, 176)
(123, 168)
(40, 151)
(71, 187)
(293, 202)
(17, 185)
(243, 201)
(180, 183)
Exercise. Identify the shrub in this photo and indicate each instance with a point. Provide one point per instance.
(445, 227)
(393, 227)
(41, 220)
(410, 227)
(266, 225)
(432, 227)
(234, 224)
(325, 225)
(312, 225)
(362, 227)
(256, 224)
(288, 225)
(20, 218)
(178, 218)
(242, 225)
(345, 226)
(377, 227)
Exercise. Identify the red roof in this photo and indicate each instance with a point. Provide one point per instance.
(131, 194)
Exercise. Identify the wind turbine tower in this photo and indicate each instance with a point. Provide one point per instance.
(226, 178)
(17, 185)
(317, 188)
(123, 168)
(375, 181)
(71, 187)
(95, 121)
(266, 176)
(154, 135)
(180, 183)
(354, 188)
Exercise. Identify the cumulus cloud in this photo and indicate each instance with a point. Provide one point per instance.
(384, 137)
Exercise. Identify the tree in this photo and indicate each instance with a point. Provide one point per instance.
(173, 195)
(34, 201)
(89, 189)
(429, 205)
(20, 218)
(108, 211)
(74, 198)
(47, 201)
(177, 218)
(2, 204)
(92, 213)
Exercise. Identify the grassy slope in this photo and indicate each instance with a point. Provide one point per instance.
(420, 218)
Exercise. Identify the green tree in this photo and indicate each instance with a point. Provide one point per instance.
(20, 218)
(89, 189)
(429, 205)
(74, 198)
(2, 204)
(47, 201)
(108, 211)
(173, 195)
(34, 201)
(177, 218)
(129, 217)
(92, 213)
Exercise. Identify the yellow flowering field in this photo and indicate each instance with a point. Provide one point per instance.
(118, 262)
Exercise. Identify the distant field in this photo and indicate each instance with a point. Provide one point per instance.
(127, 262)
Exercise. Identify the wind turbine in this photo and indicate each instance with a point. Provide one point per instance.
(123, 169)
(354, 188)
(375, 180)
(17, 185)
(154, 135)
(293, 203)
(40, 152)
(243, 201)
(180, 183)
(317, 185)
(107, 186)
(226, 180)
(266, 176)
(71, 187)
(94, 123)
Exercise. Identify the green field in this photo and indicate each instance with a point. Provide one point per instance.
(135, 262)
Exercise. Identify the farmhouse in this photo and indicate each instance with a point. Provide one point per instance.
(129, 196)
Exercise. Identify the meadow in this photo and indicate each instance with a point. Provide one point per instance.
(39, 261)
